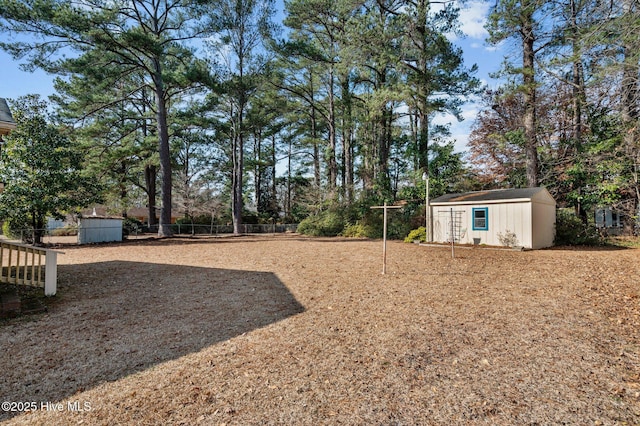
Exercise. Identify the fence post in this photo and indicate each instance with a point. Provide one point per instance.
(51, 273)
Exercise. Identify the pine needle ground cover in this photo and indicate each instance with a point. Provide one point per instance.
(293, 330)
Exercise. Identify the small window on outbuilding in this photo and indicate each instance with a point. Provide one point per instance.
(480, 219)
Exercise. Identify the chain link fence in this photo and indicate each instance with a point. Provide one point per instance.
(69, 235)
(195, 229)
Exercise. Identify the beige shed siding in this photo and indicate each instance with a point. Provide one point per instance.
(502, 217)
(512, 217)
(544, 222)
(441, 221)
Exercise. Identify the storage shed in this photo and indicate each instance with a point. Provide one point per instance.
(516, 217)
(99, 229)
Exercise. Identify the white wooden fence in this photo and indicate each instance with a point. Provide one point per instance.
(29, 266)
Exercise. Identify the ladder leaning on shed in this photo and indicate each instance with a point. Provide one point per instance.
(23, 265)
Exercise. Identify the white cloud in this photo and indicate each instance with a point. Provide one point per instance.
(460, 141)
(473, 16)
(494, 48)
(469, 112)
(459, 129)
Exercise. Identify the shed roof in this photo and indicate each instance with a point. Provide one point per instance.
(6, 120)
(494, 195)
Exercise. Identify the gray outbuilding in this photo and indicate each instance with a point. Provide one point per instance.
(99, 229)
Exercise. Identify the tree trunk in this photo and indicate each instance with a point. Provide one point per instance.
(578, 101)
(38, 228)
(287, 204)
(384, 146)
(123, 189)
(274, 187)
(630, 115)
(164, 230)
(150, 170)
(423, 137)
(314, 135)
(316, 150)
(150, 175)
(347, 143)
(238, 165)
(529, 119)
(368, 157)
(423, 91)
(238, 154)
(578, 80)
(332, 165)
(257, 170)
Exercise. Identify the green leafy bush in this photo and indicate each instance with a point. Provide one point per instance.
(358, 230)
(372, 222)
(359, 220)
(18, 228)
(398, 221)
(196, 220)
(307, 226)
(570, 230)
(131, 225)
(325, 224)
(397, 228)
(417, 234)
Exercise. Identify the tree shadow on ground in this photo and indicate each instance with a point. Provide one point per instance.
(112, 319)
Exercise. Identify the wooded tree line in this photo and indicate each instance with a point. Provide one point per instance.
(567, 117)
(210, 107)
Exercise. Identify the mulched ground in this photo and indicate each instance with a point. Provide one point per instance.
(292, 330)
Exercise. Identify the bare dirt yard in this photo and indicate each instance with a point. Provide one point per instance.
(293, 330)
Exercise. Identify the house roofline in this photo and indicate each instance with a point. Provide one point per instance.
(6, 127)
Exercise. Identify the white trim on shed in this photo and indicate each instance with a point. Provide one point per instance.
(482, 217)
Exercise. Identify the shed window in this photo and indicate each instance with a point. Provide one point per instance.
(480, 216)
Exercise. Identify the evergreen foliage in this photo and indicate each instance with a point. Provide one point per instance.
(419, 234)
(43, 172)
(571, 230)
(326, 224)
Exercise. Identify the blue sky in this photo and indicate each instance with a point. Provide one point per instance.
(14, 82)
(489, 59)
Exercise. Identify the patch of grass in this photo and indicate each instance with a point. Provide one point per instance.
(624, 241)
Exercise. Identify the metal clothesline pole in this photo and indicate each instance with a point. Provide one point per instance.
(454, 226)
(385, 207)
(427, 211)
(453, 237)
